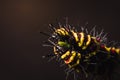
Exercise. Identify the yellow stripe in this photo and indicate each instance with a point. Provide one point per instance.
(89, 40)
(108, 48)
(81, 39)
(75, 36)
(117, 51)
(79, 55)
(65, 55)
(59, 32)
(77, 62)
(62, 32)
(87, 43)
(63, 29)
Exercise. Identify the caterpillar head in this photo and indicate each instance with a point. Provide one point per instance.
(65, 44)
(61, 39)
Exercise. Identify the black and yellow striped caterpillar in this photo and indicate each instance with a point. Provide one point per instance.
(84, 53)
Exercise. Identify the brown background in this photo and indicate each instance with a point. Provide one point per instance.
(22, 20)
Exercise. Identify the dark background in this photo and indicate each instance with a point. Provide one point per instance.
(22, 20)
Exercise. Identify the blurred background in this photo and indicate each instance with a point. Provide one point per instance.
(21, 43)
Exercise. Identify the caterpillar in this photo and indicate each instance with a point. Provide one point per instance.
(87, 54)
